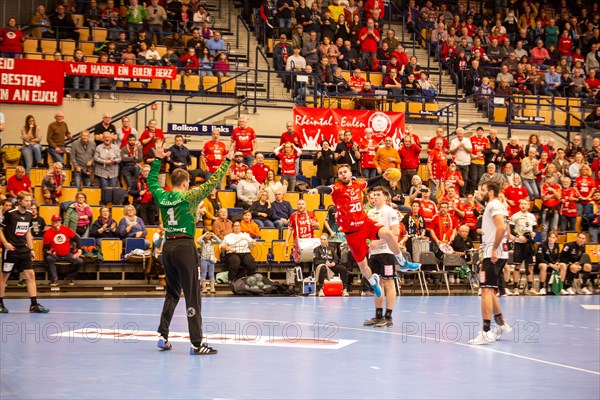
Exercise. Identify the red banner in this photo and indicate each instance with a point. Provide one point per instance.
(120, 71)
(318, 124)
(31, 81)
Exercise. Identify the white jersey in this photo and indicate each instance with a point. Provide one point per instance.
(493, 208)
(385, 216)
(523, 222)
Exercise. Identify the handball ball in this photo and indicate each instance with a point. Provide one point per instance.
(393, 174)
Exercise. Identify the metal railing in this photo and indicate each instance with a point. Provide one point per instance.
(239, 20)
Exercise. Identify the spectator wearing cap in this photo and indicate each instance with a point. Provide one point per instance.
(58, 242)
(299, 36)
(281, 52)
(237, 170)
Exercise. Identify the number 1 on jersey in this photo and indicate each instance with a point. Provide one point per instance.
(171, 214)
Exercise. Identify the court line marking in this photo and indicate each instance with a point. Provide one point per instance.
(590, 307)
(480, 348)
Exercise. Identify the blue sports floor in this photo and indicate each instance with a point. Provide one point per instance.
(302, 348)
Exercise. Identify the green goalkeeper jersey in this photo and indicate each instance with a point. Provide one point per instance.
(178, 210)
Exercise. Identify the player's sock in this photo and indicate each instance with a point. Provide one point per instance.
(1, 301)
(584, 279)
(542, 285)
(33, 301)
(388, 313)
(499, 319)
(379, 313)
(487, 325)
(197, 344)
(529, 285)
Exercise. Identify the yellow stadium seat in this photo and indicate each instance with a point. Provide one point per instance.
(174, 84)
(376, 78)
(398, 107)
(30, 45)
(273, 164)
(209, 83)
(67, 46)
(93, 196)
(68, 193)
(155, 84)
(112, 249)
(191, 82)
(34, 56)
(592, 251)
(218, 252)
(38, 249)
(38, 195)
(95, 212)
(86, 47)
(269, 234)
(327, 200)
(308, 169)
(260, 251)
(293, 198)
(321, 216)
(117, 213)
(313, 201)
(162, 50)
(279, 251)
(227, 198)
(152, 229)
(46, 211)
(78, 19)
(84, 34)
(99, 34)
(228, 85)
(199, 232)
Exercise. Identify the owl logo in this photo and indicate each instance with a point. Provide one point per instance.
(380, 123)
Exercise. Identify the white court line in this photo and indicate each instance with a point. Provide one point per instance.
(591, 307)
(380, 332)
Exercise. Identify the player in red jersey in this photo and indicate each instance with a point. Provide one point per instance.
(244, 138)
(352, 219)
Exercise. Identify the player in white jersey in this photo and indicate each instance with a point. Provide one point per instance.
(522, 226)
(495, 255)
(381, 259)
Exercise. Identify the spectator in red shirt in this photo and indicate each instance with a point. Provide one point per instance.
(11, 39)
(409, 161)
(568, 205)
(565, 46)
(149, 136)
(513, 153)
(287, 155)
(551, 195)
(356, 81)
(439, 134)
(437, 164)
(593, 82)
(514, 194)
(293, 137)
(213, 154)
(237, 170)
(260, 169)
(244, 138)
(369, 38)
(189, 62)
(19, 182)
(57, 247)
(427, 208)
(368, 147)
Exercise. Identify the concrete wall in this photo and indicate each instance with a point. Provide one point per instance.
(79, 115)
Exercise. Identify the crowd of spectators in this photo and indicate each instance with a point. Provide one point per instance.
(560, 184)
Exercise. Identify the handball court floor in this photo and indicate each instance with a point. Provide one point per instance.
(301, 348)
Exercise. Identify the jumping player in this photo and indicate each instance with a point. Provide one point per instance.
(381, 258)
(347, 195)
(16, 237)
(178, 210)
(495, 255)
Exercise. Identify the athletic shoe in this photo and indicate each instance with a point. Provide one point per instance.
(38, 308)
(563, 292)
(366, 294)
(69, 282)
(516, 292)
(3, 310)
(507, 292)
(345, 293)
(163, 343)
(372, 321)
(384, 323)
(96, 96)
(54, 283)
(410, 266)
(203, 350)
(112, 96)
(22, 283)
(542, 291)
(531, 292)
(321, 293)
(376, 287)
(483, 338)
(571, 291)
(500, 330)
(585, 291)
